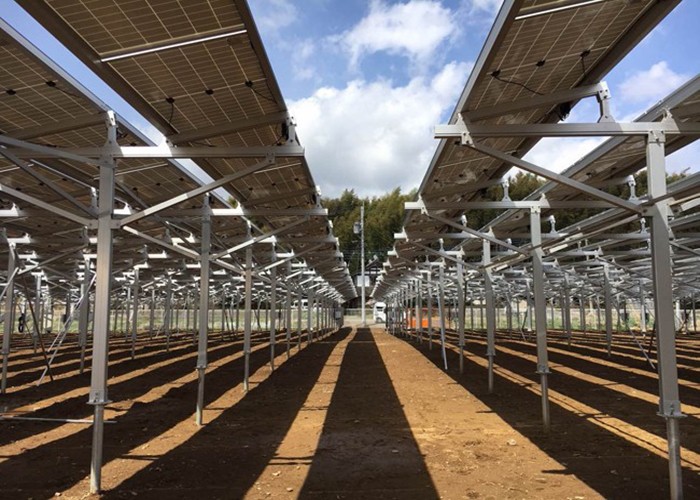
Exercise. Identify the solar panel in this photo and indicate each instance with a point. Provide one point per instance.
(202, 77)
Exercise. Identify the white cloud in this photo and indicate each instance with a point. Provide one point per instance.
(302, 51)
(490, 6)
(374, 136)
(557, 154)
(649, 86)
(272, 15)
(414, 29)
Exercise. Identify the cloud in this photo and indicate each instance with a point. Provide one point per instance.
(375, 136)
(557, 154)
(490, 6)
(414, 29)
(302, 67)
(272, 15)
(649, 86)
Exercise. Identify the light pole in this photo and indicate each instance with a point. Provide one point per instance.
(360, 227)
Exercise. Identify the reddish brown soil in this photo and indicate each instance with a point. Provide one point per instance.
(357, 414)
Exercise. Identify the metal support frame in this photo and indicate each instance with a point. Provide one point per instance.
(430, 309)
(419, 309)
(273, 310)
(84, 312)
(566, 305)
(288, 322)
(168, 312)
(607, 289)
(299, 312)
(248, 314)
(309, 312)
(203, 334)
(490, 312)
(135, 311)
(9, 322)
(441, 308)
(98, 383)
(196, 192)
(669, 399)
(540, 312)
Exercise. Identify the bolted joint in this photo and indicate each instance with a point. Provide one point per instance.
(656, 137)
(543, 370)
(97, 398)
(466, 139)
(671, 409)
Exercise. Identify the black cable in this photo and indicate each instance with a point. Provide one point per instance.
(495, 75)
(250, 84)
(76, 96)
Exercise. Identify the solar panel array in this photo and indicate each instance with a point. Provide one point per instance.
(217, 89)
(535, 49)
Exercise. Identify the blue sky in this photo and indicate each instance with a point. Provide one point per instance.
(366, 80)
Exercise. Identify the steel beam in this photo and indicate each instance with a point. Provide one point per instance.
(202, 337)
(540, 312)
(100, 343)
(164, 151)
(490, 312)
(662, 270)
(273, 311)
(9, 320)
(196, 192)
(248, 314)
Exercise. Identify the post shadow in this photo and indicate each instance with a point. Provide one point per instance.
(608, 463)
(76, 406)
(366, 449)
(64, 462)
(226, 457)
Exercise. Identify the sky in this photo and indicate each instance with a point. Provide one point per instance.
(367, 80)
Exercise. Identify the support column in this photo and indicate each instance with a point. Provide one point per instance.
(567, 310)
(300, 296)
(288, 323)
(247, 318)
(151, 318)
(127, 312)
(103, 265)
(309, 312)
(430, 308)
(582, 309)
(669, 399)
(9, 321)
(608, 308)
(84, 312)
(643, 309)
(441, 307)
(540, 312)
(419, 311)
(273, 309)
(460, 313)
(203, 333)
(135, 309)
(490, 312)
(168, 312)
(38, 311)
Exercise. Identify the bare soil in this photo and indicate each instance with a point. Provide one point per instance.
(358, 413)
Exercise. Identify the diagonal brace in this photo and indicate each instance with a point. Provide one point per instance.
(196, 192)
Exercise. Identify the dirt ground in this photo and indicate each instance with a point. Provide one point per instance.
(358, 413)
